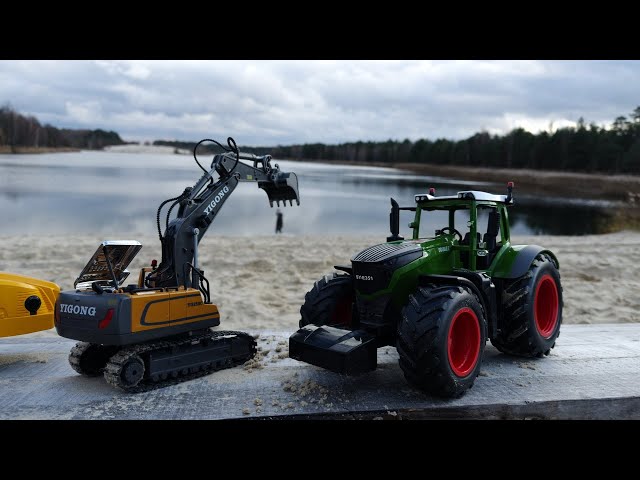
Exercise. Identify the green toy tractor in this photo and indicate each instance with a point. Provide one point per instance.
(436, 298)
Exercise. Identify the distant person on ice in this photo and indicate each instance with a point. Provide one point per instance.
(279, 221)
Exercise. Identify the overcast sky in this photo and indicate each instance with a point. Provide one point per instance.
(283, 102)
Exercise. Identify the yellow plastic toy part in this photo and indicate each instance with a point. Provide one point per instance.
(26, 304)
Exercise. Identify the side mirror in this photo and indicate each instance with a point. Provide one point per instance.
(394, 222)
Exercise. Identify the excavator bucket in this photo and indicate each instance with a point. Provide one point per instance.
(284, 187)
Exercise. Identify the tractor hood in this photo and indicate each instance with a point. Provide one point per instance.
(389, 253)
(374, 266)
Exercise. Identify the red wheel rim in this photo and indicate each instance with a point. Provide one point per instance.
(545, 306)
(463, 345)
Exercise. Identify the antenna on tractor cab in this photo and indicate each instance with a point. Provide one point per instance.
(509, 198)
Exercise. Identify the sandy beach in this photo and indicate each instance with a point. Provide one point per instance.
(259, 283)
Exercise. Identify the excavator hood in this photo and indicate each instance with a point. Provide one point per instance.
(282, 186)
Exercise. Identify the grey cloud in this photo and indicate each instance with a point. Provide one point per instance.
(280, 102)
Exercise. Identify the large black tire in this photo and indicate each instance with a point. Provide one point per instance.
(330, 302)
(89, 359)
(441, 339)
(532, 311)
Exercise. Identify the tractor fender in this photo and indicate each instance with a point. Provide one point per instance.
(517, 261)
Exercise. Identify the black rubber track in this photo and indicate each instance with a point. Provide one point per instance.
(332, 292)
(90, 359)
(518, 334)
(422, 339)
(114, 368)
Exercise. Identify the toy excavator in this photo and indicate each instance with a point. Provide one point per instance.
(157, 331)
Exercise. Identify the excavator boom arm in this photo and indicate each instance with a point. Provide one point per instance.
(200, 204)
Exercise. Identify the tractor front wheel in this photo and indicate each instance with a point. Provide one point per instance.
(532, 311)
(441, 339)
(330, 302)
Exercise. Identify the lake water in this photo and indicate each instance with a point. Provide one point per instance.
(117, 195)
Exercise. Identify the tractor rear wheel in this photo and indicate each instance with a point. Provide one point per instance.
(441, 339)
(532, 311)
(330, 302)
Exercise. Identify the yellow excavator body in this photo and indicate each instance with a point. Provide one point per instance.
(26, 304)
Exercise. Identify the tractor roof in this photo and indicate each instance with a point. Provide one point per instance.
(468, 195)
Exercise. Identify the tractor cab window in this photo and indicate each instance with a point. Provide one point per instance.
(489, 224)
(461, 220)
(487, 228)
(487, 234)
(431, 221)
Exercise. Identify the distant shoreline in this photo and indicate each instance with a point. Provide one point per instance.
(624, 189)
(6, 149)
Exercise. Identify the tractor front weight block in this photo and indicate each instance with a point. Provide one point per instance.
(341, 351)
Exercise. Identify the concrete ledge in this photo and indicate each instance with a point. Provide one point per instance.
(591, 374)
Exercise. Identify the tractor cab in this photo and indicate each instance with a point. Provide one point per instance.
(477, 227)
